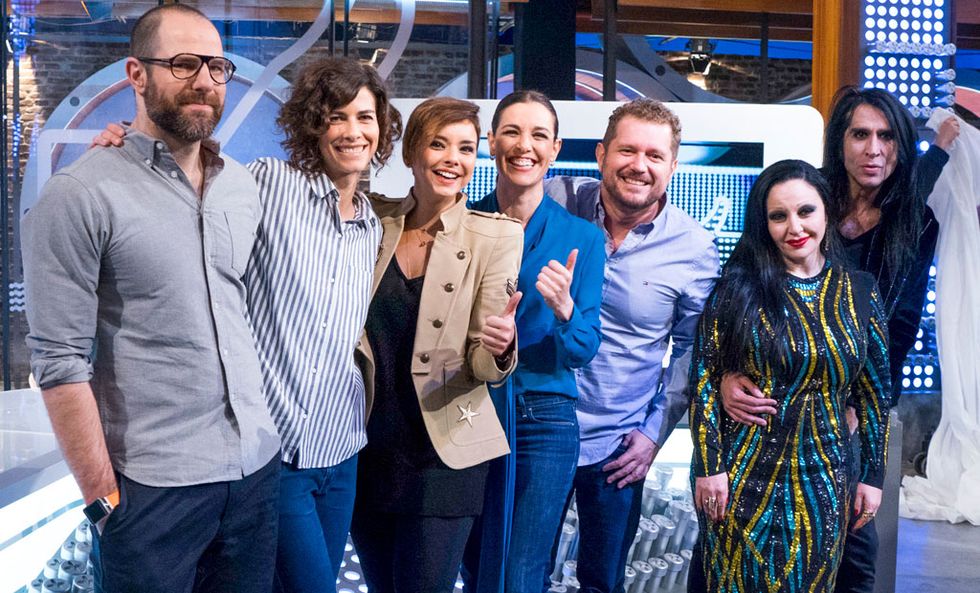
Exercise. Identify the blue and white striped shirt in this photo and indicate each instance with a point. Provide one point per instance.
(309, 286)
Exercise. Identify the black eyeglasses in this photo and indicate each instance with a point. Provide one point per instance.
(184, 66)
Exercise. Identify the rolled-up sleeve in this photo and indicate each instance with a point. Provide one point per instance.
(62, 242)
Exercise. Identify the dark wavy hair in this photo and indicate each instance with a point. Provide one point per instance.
(752, 282)
(322, 86)
(902, 207)
(524, 97)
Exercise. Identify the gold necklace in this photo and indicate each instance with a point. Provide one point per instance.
(423, 237)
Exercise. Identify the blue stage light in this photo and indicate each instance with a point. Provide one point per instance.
(906, 383)
(927, 382)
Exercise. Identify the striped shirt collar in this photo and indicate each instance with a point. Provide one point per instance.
(324, 189)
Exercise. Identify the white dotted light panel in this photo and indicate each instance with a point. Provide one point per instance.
(907, 52)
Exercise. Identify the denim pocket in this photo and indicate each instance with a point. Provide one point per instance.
(117, 513)
(556, 410)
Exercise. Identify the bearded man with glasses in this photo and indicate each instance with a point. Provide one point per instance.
(133, 260)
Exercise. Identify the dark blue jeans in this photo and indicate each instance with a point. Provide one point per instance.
(315, 508)
(608, 517)
(546, 455)
(207, 537)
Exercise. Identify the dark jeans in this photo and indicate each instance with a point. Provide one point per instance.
(546, 455)
(207, 537)
(315, 507)
(608, 517)
(409, 553)
(857, 566)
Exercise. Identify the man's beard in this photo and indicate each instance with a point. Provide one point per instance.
(167, 114)
(627, 203)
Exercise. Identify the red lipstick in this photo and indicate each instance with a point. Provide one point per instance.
(798, 242)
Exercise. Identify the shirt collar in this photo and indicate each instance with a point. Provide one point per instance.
(323, 188)
(156, 153)
(643, 228)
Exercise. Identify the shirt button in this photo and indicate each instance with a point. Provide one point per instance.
(460, 255)
(305, 415)
(224, 351)
(437, 323)
(148, 161)
(173, 174)
(159, 145)
(323, 325)
(424, 357)
(313, 370)
(449, 287)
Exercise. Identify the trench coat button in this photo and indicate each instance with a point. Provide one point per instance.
(449, 287)
(424, 357)
(437, 323)
(460, 255)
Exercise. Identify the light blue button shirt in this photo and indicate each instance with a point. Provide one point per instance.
(654, 288)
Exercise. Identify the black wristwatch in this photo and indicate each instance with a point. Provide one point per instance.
(100, 508)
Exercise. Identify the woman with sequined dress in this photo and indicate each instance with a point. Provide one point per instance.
(773, 500)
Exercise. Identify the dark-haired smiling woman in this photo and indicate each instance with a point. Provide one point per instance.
(440, 326)
(557, 325)
(773, 500)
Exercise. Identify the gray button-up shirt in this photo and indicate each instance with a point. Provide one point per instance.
(655, 286)
(134, 283)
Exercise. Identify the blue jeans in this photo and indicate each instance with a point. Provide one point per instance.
(608, 517)
(315, 508)
(206, 537)
(546, 455)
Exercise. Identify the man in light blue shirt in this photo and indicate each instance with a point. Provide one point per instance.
(661, 265)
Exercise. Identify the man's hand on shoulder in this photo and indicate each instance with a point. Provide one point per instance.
(634, 463)
(744, 401)
(112, 135)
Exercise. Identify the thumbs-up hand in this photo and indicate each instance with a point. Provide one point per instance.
(499, 330)
(555, 283)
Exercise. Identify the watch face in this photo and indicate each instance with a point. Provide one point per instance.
(97, 511)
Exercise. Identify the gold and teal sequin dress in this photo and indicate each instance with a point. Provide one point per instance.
(788, 507)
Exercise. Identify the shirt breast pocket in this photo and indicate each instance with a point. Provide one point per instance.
(240, 227)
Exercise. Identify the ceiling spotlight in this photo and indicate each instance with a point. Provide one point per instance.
(701, 50)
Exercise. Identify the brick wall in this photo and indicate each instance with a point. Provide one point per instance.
(737, 77)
